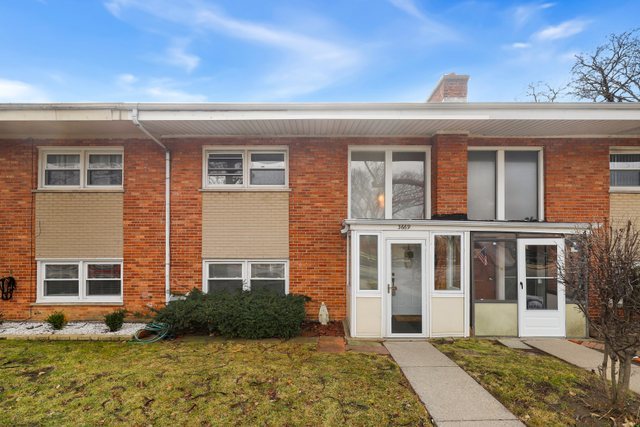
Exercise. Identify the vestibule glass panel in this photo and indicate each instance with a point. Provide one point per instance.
(406, 288)
(368, 266)
(408, 185)
(447, 263)
(541, 277)
(367, 184)
(495, 270)
(481, 185)
(521, 185)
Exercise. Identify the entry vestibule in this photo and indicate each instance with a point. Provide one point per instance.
(433, 280)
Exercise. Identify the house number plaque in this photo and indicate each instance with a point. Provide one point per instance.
(404, 227)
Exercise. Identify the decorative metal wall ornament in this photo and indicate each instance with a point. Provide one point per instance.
(7, 286)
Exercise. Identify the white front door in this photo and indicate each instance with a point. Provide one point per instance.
(405, 288)
(541, 295)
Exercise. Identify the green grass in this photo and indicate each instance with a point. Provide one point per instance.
(540, 389)
(200, 383)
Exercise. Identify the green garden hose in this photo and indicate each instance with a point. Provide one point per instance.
(153, 332)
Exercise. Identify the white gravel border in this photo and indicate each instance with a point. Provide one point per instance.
(72, 328)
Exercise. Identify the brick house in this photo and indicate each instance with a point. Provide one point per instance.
(442, 218)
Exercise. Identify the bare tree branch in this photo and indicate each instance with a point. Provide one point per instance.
(611, 73)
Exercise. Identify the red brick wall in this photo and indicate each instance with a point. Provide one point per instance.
(576, 189)
(144, 225)
(449, 174)
(16, 224)
(186, 214)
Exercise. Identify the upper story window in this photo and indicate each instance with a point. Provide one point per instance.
(81, 168)
(505, 184)
(389, 183)
(242, 168)
(624, 169)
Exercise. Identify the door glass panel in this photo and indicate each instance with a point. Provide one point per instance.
(541, 277)
(406, 298)
(408, 185)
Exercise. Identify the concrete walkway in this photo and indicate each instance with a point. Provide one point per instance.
(580, 356)
(451, 396)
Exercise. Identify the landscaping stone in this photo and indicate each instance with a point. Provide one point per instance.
(331, 345)
(96, 331)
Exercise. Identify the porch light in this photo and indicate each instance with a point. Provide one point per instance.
(381, 200)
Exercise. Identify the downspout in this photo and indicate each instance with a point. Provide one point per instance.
(167, 204)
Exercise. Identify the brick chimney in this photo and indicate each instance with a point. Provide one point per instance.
(452, 87)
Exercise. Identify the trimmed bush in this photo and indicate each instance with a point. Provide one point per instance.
(254, 314)
(115, 320)
(57, 320)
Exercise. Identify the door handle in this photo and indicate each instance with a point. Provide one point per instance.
(391, 289)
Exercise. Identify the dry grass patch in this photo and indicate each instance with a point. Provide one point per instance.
(200, 383)
(540, 389)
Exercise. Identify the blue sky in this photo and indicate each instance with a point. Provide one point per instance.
(301, 51)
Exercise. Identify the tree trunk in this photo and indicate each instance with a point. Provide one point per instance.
(614, 382)
(624, 377)
(605, 363)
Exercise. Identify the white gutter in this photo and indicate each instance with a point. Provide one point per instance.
(167, 204)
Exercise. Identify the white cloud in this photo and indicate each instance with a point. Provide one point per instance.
(520, 45)
(525, 12)
(18, 91)
(166, 94)
(178, 56)
(308, 63)
(435, 28)
(126, 79)
(409, 7)
(563, 30)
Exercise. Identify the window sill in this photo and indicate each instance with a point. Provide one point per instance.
(632, 190)
(245, 190)
(78, 303)
(78, 190)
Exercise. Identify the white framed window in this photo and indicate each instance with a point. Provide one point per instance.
(505, 183)
(244, 275)
(389, 182)
(79, 281)
(624, 170)
(81, 168)
(245, 167)
(447, 268)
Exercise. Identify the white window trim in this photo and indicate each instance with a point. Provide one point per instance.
(246, 164)
(432, 251)
(500, 178)
(356, 244)
(246, 271)
(388, 174)
(622, 188)
(83, 152)
(82, 296)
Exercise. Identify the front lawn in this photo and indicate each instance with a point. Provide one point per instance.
(200, 382)
(540, 389)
